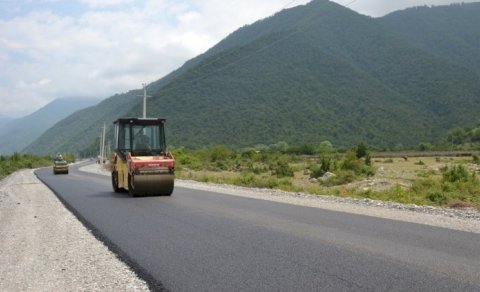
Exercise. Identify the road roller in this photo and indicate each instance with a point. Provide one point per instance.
(141, 163)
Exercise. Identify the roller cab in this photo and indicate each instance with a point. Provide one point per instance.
(141, 163)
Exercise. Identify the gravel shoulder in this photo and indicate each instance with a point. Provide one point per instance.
(45, 248)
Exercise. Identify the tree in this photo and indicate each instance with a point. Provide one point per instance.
(361, 150)
(281, 146)
(475, 135)
(457, 136)
(326, 147)
(425, 146)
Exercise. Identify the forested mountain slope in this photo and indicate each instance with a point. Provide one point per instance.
(452, 31)
(18, 133)
(326, 73)
(311, 73)
(79, 132)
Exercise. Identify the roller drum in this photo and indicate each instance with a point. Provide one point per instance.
(151, 184)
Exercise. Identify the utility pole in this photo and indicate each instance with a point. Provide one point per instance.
(102, 149)
(145, 99)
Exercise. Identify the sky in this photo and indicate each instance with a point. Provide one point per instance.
(96, 48)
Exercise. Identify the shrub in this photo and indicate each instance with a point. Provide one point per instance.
(320, 170)
(326, 147)
(246, 179)
(425, 184)
(341, 177)
(249, 153)
(456, 173)
(436, 197)
(281, 169)
(361, 150)
(351, 162)
(302, 149)
(221, 152)
(425, 146)
(475, 159)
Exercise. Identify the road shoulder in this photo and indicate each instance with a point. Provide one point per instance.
(45, 248)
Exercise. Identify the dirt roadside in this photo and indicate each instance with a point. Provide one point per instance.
(45, 248)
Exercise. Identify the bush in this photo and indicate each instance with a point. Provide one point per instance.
(249, 179)
(302, 149)
(456, 173)
(361, 150)
(221, 152)
(10, 164)
(438, 198)
(341, 177)
(320, 170)
(326, 147)
(281, 169)
(248, 153)
(351, 162)
(475, 159)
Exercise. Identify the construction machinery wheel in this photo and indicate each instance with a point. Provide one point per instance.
(168, 190)
(131, 186)
(116, 189)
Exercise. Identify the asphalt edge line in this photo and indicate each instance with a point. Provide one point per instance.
(152, 283)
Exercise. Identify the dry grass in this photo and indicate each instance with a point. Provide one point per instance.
(392, 181)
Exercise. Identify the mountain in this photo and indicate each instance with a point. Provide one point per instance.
(4, 120)
(316, 72)
(17, 133)
(451, 31)
(306, 74)
(81, 130)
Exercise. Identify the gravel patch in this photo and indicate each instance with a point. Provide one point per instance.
(459, 219)
(45, 248)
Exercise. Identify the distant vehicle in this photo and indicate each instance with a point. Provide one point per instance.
(141, 163)
(60, 165)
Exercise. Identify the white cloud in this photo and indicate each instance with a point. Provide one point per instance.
(378, 8)
(102, 51)
(104, 3)
(112, 46)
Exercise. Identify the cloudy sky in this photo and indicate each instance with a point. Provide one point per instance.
(96, 48)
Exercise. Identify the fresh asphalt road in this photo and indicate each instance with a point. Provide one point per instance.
(205, 241)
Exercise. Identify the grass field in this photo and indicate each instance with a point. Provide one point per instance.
(446, 181)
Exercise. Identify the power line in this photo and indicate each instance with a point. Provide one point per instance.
(293, 32)
(288, 4)
(350, 3)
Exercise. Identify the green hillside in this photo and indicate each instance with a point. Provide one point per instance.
(18, 133)
(449, 31)
(331, 74)
(81, 130)
(307, 74)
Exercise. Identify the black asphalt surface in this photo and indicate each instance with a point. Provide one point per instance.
(205, 241)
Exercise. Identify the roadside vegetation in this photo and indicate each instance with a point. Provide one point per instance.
(324, 170)
(12, 163)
